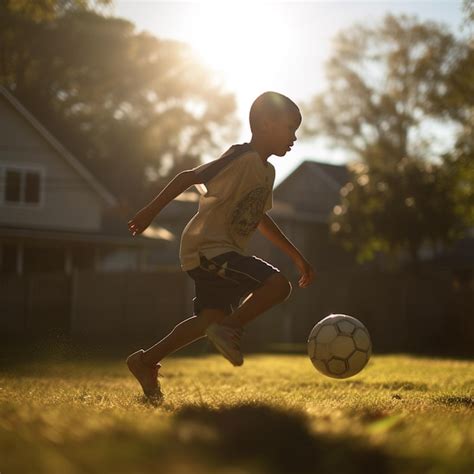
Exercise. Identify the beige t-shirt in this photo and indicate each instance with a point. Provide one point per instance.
(237, 191)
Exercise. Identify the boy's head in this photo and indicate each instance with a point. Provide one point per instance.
(274, 119)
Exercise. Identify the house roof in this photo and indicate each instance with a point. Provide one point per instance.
(310, 192)
(63, 153)
(335, 176)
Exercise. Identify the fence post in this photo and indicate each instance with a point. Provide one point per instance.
(72, 302)
(29, 302)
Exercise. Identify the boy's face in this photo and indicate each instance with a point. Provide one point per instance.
(281, 132)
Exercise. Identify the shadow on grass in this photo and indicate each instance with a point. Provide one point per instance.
(274, 440)
(248, 438)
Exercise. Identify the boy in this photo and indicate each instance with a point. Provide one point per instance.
(236, 193)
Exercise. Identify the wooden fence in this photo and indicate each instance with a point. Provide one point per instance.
(402, 312)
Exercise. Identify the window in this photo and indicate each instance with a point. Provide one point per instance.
(13, 181)
(22, 186)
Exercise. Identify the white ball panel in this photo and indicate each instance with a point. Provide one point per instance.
(323, 351)
(342, 347)
(326, 334)
(357, 362)
(361, 340)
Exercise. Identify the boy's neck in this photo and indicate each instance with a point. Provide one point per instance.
(260, 148)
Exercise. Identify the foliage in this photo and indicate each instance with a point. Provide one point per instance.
(275, 415)
(380, 84)
(468, 6)
(133, 107)
(457, 101)
(395, 210)
(387, 86)
(47, 10)
(460, 166)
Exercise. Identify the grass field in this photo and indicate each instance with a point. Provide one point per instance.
(274, 415)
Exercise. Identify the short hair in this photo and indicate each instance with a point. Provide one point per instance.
(270, 105)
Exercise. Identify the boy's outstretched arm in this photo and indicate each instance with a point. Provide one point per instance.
(272, 232)
(142, 219)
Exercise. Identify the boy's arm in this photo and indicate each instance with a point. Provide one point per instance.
(272, 232)
(175, 187)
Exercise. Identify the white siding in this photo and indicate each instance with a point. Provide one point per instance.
(67, 201)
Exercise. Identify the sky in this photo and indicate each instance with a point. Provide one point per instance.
(294, 37)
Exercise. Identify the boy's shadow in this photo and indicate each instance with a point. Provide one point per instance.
(276, 440)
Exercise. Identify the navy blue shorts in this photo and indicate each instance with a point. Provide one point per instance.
(221, 282)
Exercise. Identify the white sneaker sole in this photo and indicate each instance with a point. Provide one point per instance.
(236, 359)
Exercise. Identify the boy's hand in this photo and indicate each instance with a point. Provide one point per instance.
(140, 221)
(307, 273)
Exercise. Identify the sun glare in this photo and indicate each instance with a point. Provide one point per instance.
(243, 42)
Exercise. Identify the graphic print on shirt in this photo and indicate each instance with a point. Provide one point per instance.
(248, 213)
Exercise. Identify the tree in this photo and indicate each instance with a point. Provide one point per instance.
(468, 6)
(47, 10)
(379, 89)
(392, 211)
(133, 107)
(457, 101)
(384, 89)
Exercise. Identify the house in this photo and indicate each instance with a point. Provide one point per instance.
(55, 216)
(302, 205)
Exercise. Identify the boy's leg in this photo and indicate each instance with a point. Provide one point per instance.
(144, 365)
(226, 335)
(183, 334)
(275, 289)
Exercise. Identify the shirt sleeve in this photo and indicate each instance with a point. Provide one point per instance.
(207, 171)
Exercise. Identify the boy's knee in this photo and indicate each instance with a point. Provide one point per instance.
(209, 316)
(281, 286)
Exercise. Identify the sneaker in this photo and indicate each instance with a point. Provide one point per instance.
(227, 341)
(147, 375)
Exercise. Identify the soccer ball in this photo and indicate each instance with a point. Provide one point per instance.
(339, 346)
